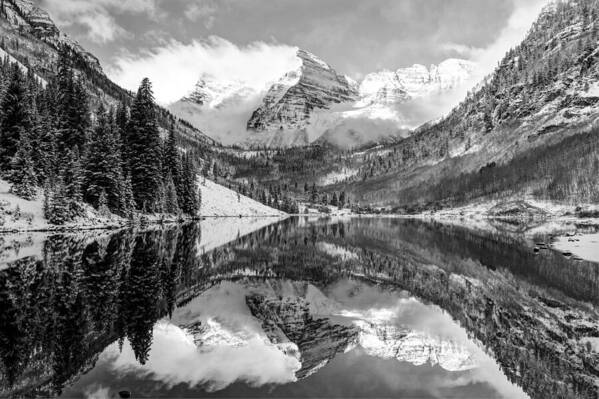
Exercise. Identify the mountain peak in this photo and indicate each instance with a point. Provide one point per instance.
(289, 103)
(309, 58)
(26, 16)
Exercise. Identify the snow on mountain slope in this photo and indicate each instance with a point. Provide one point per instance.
(288, 105)
(313, 102)
(222, 106)
(218, 200)
(23, 68)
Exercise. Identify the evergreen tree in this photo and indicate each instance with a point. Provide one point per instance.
(342, 199)
(172, 160)
(171, 198)
(334, 200)
(22, 174)
(313, 194)
(74, 121)
(143, 141)
(103, 170)
(102, 205)
(72, 175)
(44, 154)
(189, 201)
(128, 199)
(56, 204)
(15, 117)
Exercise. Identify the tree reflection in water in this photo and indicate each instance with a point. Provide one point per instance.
(532, 312)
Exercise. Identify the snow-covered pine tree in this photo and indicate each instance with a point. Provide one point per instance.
(143, 142)
(103, 165)
(56, 204)
(188, 198)
(73, 109)
(171, 198)
(71, 175)
(15, 117)
(128, 199)
(22, 174)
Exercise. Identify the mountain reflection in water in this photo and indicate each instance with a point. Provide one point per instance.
(356, 307)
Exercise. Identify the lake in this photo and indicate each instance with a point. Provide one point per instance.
(302, 307)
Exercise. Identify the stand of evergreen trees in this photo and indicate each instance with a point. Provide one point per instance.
(113, 159)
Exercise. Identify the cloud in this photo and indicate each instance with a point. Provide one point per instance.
(176, 67)
(203, 11)
(175, 359)
(231, 346)
(97, 17)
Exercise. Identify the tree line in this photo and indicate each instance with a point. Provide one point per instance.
(112, 158)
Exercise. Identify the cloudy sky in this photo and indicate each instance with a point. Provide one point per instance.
(174, 41)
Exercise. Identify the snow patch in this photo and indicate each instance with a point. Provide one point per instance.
(218, 200)
(585, 246)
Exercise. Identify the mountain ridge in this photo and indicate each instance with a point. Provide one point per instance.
(314, 102)
(543, 91)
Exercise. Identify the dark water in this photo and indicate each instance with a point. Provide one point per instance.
(300, 308)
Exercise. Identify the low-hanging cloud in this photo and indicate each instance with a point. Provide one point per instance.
(175, 68)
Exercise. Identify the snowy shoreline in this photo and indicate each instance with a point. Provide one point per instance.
(19, 215)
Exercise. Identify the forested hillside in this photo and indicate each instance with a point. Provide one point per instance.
(67, 128)
(544, 91)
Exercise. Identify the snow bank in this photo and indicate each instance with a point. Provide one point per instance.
(19, 214)
(218, 200)
(584, 246)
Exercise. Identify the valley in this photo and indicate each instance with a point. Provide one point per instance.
(528, 131)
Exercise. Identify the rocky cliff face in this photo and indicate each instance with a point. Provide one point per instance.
(315, 102)
(315, 85)
(25, 15)
(289, 103)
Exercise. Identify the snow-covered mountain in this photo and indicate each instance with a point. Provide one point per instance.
(287, 107)
(542, 93)
(392, 103)
(308, 328)
(314, 102)
(216, 94)
(404, 84)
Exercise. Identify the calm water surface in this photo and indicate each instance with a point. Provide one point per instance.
(299, 308)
